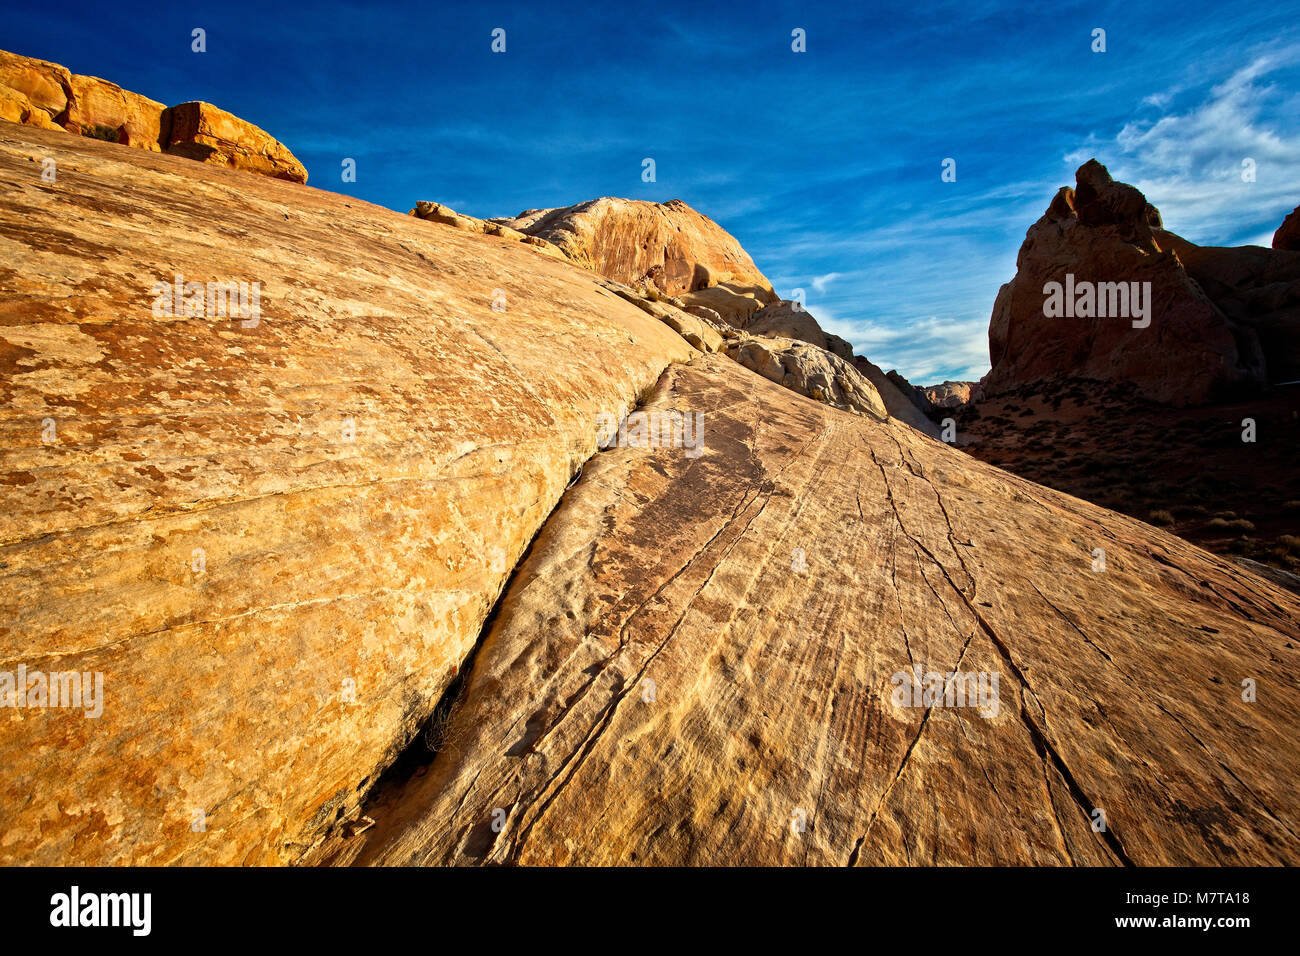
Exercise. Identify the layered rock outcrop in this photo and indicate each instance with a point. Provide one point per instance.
(43, 94)
(1105, 246)
(808, 370)
(669, 247)
(444, 215)
(208, 134)
(98, 107)
(279, 534)
(700, 661)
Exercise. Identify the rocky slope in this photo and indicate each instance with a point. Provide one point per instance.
(1218, 322)
(281, 536)
(247, 529)
(782, 341)
(43, 94)
(696, 665)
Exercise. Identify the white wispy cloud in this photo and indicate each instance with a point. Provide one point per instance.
(1189, 162)
(821, 282)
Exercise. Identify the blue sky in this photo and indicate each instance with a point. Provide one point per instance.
(825, 164)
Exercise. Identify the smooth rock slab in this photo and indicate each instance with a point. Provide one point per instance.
(277, 543)
(769, 734)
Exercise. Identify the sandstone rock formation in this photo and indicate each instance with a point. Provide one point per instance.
(900, 405)
(280, 539)
(134, 120)
(1257, 289)
(953, 394)
(696, 665)
(46, 95)
(247, 529)
(43, 86)
(1104, 232)
(665, 246)
(808, 370)
(444, 215)
(781, 341)
(202, 131)
(1287, 236)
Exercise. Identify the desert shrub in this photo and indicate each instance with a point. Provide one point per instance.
(107, 133)
(1233, 524)
(1161, 518)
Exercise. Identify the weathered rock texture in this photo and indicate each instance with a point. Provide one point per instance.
(1203, 342)
(280, 541)
(665, 246)
(232, 523)
(698, 655)
(42, 94)
(211, 135)
(808, 370)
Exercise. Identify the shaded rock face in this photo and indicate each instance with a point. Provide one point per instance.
(913, 392)
(1104, 232)
(1287, 236)
(277, 542)
(42, 94)
(665, 246)
(1258, 290)
(698, 661)
(900, 404)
